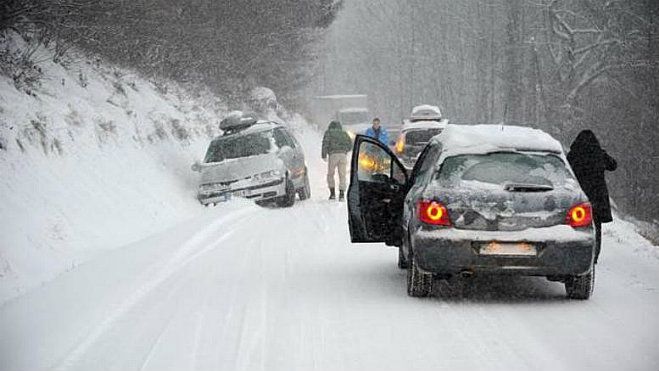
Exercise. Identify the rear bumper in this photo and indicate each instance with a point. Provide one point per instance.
(259, 192)
(561, 251)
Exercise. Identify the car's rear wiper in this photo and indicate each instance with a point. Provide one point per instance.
(521, 187)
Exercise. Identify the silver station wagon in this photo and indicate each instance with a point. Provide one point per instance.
(253, 159)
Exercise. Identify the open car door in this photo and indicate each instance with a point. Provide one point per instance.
(378, 185)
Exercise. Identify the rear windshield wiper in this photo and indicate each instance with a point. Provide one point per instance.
(521, 187)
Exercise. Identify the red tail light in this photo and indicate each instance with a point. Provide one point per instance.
(434, 213)
(580, 215)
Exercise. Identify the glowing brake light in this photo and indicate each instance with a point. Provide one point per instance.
(580, 215)
(400, 144)
(434, 213)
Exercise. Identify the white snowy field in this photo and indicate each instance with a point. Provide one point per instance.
(240, 287)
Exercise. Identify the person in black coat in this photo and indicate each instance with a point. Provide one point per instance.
(589, 161)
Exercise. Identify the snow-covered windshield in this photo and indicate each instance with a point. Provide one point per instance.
(239, 146)
(503, 167)
(420, 136)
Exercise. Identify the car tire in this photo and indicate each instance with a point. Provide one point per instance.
(305, 192)
(580, 287)
(419, 284)
(288, 199)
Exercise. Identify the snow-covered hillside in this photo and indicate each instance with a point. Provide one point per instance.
(93, 157)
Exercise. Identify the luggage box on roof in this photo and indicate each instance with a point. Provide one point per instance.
(237, 121)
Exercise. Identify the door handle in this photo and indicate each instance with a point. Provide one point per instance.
(386, 200)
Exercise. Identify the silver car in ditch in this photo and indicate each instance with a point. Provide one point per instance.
(257, 160)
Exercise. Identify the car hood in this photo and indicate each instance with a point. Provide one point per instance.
(239, 168)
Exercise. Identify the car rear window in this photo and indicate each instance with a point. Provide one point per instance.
(420, 136)
(239, 146)
(501, 168)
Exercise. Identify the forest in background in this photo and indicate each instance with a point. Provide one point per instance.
(558, 65)
(231, 46)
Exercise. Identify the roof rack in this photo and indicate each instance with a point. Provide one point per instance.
(237, 121)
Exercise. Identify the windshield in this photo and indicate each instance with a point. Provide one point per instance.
(239, 146)
(353, 117)
(420, 136)
(502, 168)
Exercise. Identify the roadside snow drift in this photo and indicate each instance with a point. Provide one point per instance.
(92, 158)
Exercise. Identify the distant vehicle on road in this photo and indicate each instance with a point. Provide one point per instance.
(414, 137)
(254, 159)
(424, 112)
(480, 199)
(351, 110)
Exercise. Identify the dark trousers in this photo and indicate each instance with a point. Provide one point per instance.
(598, 239)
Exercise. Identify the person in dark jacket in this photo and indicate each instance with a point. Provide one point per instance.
(336, 145)
(589, 161)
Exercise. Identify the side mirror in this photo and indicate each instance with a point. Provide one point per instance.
(196, 166)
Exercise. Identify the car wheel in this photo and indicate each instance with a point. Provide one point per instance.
(580, 287)
(419, 284)
(305, 192)
(288, 199)
(402, 263)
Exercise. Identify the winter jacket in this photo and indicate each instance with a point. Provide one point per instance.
(335, 140)
(589, 161)
(383, 136)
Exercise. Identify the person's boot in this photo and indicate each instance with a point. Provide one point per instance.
(341, 195)
(332, 195)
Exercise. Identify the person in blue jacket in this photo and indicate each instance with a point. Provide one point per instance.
(378, 132)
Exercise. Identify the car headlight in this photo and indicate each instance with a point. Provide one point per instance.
(267, 175)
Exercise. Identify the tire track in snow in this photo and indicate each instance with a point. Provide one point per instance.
(181, 258)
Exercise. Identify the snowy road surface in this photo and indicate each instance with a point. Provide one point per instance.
(248, 288)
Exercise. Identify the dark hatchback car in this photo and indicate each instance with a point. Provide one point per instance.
(480, 199)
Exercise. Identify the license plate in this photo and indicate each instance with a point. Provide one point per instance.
(242, 193)
(508, 249)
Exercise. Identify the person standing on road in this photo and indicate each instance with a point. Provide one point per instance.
(589, 161)
(336, 145)
(378, 132)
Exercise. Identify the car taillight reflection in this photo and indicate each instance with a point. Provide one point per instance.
(434, 213)
(400, 144)
(580, 215)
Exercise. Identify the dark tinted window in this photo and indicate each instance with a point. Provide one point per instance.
(230, 147)
(420, 136)
(282, 138)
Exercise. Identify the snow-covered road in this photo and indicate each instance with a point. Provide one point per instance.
(246, 288)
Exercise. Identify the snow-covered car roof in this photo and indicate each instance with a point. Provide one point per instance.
(475, 139)
(425, 124)
(425, 112)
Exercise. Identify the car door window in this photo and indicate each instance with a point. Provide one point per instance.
(425, 161)
(288, 138)
(280, 138)
(376, 165)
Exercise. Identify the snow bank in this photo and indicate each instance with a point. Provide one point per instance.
(92, 158)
